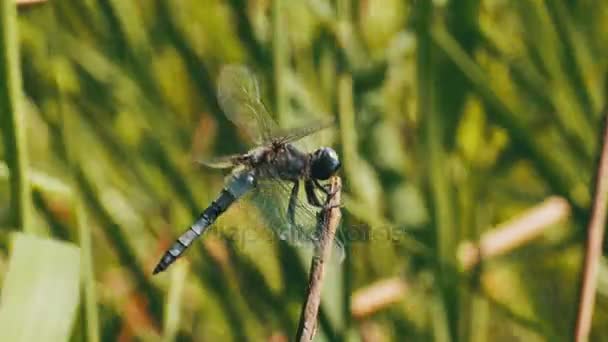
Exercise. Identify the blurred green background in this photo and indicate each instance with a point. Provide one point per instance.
(453, 116)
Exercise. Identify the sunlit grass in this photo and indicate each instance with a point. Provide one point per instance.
(451, 118)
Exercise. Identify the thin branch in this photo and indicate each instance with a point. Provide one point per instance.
(514, 233)
(595, 236)
(330, 218)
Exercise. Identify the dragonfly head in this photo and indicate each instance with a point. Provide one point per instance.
(324, 163)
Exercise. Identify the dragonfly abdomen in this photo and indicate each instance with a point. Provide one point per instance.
(239, 185)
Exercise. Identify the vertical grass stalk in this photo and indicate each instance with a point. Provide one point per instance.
(280, 57)
(12, 118)
(88, 278)
(438, 181)
(348, 132)
(174, 298)
(69, 143)
(345, 106)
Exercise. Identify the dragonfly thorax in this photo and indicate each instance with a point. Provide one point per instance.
(281, 161)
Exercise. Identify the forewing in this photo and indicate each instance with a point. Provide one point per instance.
(239, 97)
(295, 134)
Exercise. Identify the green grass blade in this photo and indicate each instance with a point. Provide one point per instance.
(174, 299)
(246, 33)
(115, 233)
(88, 278)
(439, 183)
(505, 117)
(58, 229)
(280, 56)
(40, 293)
(580, 61)
(11, 119)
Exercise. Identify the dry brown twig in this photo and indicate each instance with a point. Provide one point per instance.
(329, 224)
(595, 236)
(513, 233)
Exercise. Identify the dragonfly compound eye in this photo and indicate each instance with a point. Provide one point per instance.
(325, 163)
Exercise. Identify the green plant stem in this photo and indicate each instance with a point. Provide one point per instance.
(88, 278)
(280, 58)
(199, 73)
(348, 133)
(438, 179)
(174, 299)
(247, 35)
(12, 119)
(479, 322)
(69, 142)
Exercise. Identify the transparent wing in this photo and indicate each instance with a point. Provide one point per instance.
(239, 97)
(272, 199)
(295, 134)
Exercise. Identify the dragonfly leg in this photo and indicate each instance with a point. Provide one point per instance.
(293, 198)
(311, 195)
(329, 193)
(325, 188)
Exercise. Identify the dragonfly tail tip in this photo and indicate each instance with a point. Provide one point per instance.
(159, 268)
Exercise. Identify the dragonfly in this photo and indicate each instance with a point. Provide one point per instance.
(270, 173)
